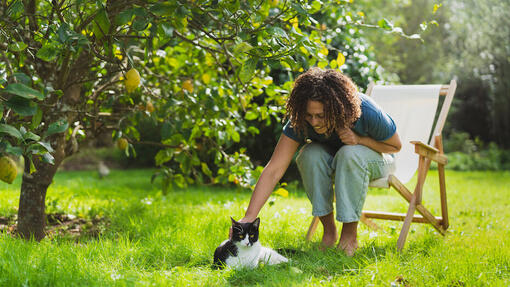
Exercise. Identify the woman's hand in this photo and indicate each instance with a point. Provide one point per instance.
(348, 137)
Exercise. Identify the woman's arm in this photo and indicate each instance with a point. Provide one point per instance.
(272, 173)
(391, 145)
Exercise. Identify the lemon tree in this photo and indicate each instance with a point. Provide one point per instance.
(208, 74)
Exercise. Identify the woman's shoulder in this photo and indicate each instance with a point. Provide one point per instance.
(368, 105)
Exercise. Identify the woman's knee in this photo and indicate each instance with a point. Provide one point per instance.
(351, 155)
(349, 152)
(311, 154)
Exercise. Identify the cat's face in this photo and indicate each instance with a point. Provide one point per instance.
(245, 234)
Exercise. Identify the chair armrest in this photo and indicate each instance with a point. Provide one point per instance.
(429, 152)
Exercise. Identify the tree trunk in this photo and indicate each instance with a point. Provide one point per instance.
(32, 205)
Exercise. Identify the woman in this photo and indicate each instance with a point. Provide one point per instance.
(345, 136)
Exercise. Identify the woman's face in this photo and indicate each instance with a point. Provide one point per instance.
(315, 116)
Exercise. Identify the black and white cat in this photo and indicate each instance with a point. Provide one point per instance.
(244, 248)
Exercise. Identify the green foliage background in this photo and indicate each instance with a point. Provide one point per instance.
(217, 73)
(470, 43)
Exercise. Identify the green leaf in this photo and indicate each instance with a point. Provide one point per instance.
(24, 91)
(141, 23)
(168, 30)
(162, 9)
(247, 70)
(64, 32)
(23, 78)
(14, 150)
(31, 136)
(124, 17)
(385, 24)
(166, 131)
(242, 47)
(32, 166)
(46, 145)
(253, 130)
(163, 156)
(15, 8)
(206, 170)
(316, 7)
(21, 106)
(59, 126)
(36, 119)
(235, 136)
(10, 130)
(101, 24)
(250, 115)
(48, 158)
(48, 52)
(17, 46)
(279, 32)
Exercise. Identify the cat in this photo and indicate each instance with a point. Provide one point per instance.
(243, 249)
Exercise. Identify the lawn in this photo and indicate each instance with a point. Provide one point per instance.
(151, 239)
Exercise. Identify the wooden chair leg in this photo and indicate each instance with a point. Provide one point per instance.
(371, 224)
(442, 185)
(312, 228)
(407, 224)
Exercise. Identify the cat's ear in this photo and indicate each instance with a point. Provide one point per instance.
(233, 221)
(256, 223)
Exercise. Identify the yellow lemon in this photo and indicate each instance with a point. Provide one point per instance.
(340, 60)
(206, 78)
(295, 22)
(132, 80)
(149, 107)
(188, 86)
(8, 170)
(122, 143)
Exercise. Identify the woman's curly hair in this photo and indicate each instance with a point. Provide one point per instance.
(336, 91)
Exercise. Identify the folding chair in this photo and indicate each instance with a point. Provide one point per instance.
(414, 109)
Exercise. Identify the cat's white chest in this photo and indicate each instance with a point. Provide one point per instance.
(246, 257)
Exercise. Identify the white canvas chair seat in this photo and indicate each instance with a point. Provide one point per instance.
(414, 108)
(414, 117)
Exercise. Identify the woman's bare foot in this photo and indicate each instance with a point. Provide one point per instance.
(348, 239)
(348, 247)
(328, 240)
(330, 235)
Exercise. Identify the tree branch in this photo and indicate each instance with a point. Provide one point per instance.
(196, 44)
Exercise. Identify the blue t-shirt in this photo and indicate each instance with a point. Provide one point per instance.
(373, 123)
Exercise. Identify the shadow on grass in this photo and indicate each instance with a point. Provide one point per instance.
(310, 262)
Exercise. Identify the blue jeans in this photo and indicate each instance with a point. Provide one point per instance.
(348, 171)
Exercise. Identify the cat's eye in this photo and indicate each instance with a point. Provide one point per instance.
(251, 236)
(242, 236)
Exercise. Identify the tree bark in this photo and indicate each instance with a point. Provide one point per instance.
(32, 201)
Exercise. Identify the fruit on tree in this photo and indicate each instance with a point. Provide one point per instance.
(8, 170)
(188, 86)
(149, 107)
(132, 80)
(122, 143)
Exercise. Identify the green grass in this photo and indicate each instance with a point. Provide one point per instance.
(169, 240)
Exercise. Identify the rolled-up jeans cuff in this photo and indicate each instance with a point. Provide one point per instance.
(347, 219)
(321, 213)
